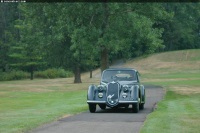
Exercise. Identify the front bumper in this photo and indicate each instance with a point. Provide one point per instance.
(104, 102)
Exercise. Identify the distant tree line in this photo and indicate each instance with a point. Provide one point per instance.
(83, 36)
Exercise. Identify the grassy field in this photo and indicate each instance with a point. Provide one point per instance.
(27, 104)
(175, 114)
(179, 73)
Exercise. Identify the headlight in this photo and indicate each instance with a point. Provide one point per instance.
(125, 88)
(101, 88)
(124, 95)
(100, 95)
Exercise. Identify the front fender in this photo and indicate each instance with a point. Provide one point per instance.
(135, 92)
(142, 94)
(91, 92)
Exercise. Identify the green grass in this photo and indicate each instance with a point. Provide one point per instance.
(195, 82)
(179, 111)
(173, 79)
(26, 104)
(172, 75)
(175, 114)
(22, 109)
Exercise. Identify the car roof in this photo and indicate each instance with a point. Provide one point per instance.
(118, 69)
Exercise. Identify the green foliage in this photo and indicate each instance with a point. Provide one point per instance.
(13, 75)
(39, 36)
(182, 31)
(47, 74)
(53, 73)
(8, 34)
(26, 53)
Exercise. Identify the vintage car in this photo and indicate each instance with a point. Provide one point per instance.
(119, 87)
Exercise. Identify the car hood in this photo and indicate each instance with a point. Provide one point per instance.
(122, 82)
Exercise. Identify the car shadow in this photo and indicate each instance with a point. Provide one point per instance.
(114, 110)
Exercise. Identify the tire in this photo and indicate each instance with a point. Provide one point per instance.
(141, 106)
(102, 106)
(92, 108)
(135, 107)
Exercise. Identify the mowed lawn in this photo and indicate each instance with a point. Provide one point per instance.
(179, 111)
(26, 104)
(179, 73)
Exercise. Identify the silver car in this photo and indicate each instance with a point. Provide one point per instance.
(119, 87)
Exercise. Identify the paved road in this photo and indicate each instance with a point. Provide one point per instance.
(107, 121)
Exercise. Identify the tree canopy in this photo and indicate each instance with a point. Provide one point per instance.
(82, 36)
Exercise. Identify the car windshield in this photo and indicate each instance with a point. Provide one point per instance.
(118, 75)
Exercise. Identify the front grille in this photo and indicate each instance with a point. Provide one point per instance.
(113, 94)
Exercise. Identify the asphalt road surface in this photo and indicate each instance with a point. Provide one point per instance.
(106, 121)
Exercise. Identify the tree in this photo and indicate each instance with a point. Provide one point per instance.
(81, 36)
(110, 27)
(182, 32)
(26, 54)
(8, 34)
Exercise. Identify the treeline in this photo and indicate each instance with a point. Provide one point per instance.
(80, 37)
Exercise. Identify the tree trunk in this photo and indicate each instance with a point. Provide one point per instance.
(104, 58)
(31, 73)
(90, 73)
(77, 74)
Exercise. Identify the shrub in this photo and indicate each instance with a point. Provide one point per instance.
(13, 75)
(53, 73)
(47, 74)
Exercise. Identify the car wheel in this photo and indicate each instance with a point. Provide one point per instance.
(102, 106)
(141, 106)
(135, 107)
(92, 108)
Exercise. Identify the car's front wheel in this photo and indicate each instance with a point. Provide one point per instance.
(135, 107)
(102, 106)
(142, 106)
(92, 108)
